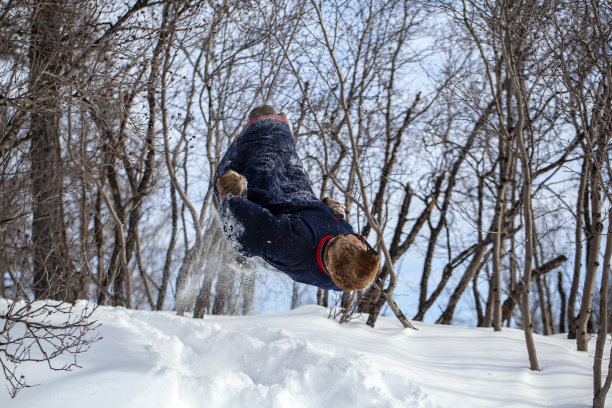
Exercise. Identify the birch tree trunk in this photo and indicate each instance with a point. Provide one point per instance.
(571, 305)
(506, 148)
(600, 390)
(529, 244)
(594, 244)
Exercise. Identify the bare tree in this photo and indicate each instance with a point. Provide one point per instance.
(41, 332)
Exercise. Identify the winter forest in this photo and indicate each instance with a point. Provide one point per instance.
(469, 139)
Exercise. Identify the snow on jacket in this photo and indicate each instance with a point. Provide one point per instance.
(280, 220)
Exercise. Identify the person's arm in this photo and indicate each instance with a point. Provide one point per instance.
(252, 229)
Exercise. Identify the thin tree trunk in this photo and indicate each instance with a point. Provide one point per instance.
(594, 240)
(84, 282)
(322, 297)
(225, 283)
(488, 316)
(295, 296)
(571, 304)
(479, 227)
(143, 272)
(525, 298)
(600, 390)
(477, 304)
(429, 254)
(549, 307)
(248, 297)
(529, 235)
(506, 159)
(346, 300)
(99, 240)
(161, 296)
(542, 306)
(563, 296)
(186, 279)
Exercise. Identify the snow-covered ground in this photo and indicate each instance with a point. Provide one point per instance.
(303, 359)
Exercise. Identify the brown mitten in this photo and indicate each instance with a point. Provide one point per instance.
(232, 183)
(261, 110)
(338, 209)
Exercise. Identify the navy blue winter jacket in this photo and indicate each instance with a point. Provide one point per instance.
(280, 219)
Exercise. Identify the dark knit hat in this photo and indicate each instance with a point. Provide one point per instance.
(350, 266)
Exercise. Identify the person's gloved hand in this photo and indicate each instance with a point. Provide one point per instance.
(264, 110)
(232, 183)
(338, 209)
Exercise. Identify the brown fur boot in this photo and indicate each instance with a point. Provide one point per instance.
(232, 183)
(350, 266)
(261, 110)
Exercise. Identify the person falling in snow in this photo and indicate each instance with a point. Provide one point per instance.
(268, 209)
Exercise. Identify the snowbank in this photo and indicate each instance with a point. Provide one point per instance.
(303, 359)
